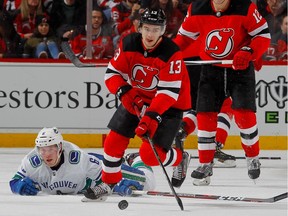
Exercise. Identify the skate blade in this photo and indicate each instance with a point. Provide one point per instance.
(224, 164)
(255, 181)
(100, 199)
(202, 182)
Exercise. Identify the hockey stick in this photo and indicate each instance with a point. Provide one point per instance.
(261, 158)
(174, 194)
(74, 59)
(213, 197)
(208, 62)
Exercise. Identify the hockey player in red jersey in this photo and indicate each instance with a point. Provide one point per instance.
(226, 29)
(148, 72)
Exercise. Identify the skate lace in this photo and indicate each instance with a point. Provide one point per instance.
(206, 169)
(180, 171)
(254, 164)
(221, 155)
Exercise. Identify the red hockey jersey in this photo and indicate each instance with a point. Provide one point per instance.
(102, 46)
(159, 75)
(222, 34)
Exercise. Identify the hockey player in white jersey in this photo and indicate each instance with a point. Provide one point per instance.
(56, 166)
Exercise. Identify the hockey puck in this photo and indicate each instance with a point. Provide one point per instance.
(123, 204)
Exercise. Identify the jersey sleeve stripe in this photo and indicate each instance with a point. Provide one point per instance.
(111, 71)
(192, 35)
(261, 31)
(169, 84)
(20, 174)
(168, 92)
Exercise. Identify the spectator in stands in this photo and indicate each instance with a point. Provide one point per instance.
(43, 43)
(106, 6)
(182, 5)
(276, 9)
(11, 6)
(273, 11)
(68, 17)
(102, 44)
(280, 39)
(25, 18)
(175, 20)
(2, 47)
(123, 15)
(11, 42)
(277, 51)
(134, 27)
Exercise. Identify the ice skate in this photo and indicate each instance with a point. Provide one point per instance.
(202, 174)
(253, 165)
(180, 137)
(224, 160)
(202, 182)
(180, 171)
(98, 193)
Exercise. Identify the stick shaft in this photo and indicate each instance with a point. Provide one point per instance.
(179, 201)
(76, 61)
(261, 158)
(205, 62)
(214, 197)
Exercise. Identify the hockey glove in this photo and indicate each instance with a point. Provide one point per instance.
(242, 58)
(258, 64)
(26, 186)
(129, 98)
(125, 187)
(148, 124)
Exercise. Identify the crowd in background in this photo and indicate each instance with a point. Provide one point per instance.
(35, 28)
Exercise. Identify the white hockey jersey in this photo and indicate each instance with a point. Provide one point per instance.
(79, 171)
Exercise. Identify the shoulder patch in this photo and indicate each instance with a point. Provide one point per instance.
(74, 157)
(35, 161)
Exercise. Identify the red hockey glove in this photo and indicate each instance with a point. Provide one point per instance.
(242, 58)
(129, 98)
(148, 124)
(258, 64)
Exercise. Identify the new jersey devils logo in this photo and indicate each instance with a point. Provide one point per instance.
(145, 77)
(219, 42)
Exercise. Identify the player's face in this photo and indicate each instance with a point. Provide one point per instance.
(49, 154)
(151, 35)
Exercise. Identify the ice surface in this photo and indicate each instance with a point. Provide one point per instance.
(225, 181)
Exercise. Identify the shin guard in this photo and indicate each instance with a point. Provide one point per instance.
(171, 158)
(207, 123)
(247, 124)
(114, 148)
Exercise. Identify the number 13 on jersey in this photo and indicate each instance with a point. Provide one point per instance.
(175, 67)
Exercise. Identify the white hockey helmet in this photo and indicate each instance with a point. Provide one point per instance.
(48, 137)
